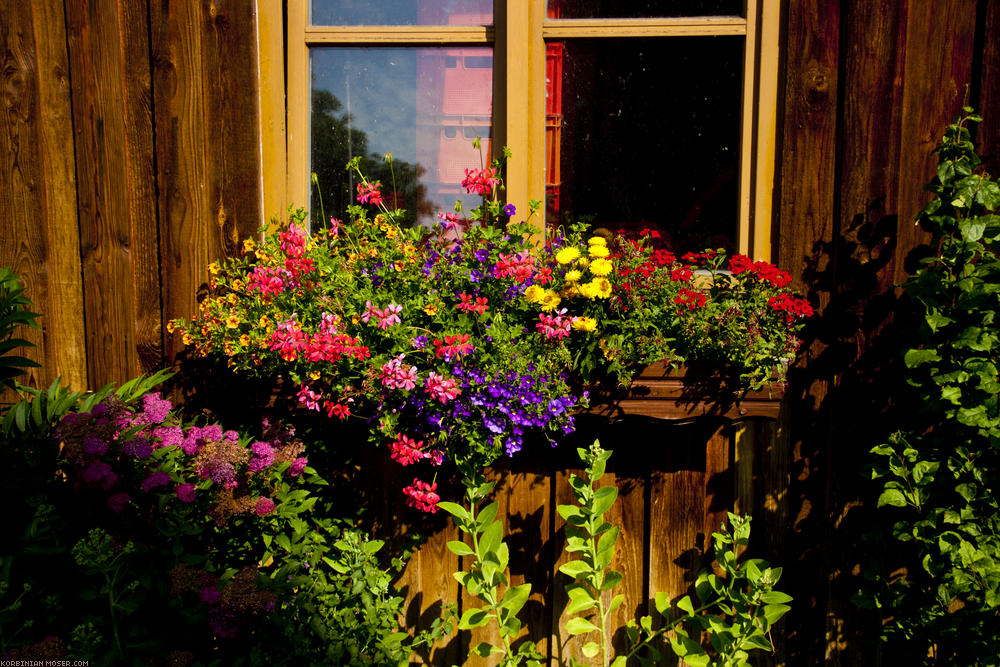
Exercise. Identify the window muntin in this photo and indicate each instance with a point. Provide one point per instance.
(587, 9)
(400, 12)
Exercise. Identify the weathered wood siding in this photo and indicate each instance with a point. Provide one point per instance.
(130, 158)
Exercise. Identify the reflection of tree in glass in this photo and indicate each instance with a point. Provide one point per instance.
(334, 143)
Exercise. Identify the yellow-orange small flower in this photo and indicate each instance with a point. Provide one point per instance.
(391, 232)
(187, 338)
(249, 245)
(584, 323)
(213, 268)
(171, 326)
(237, 284)
(264, 322)
(355, 319)
(409, 250)
(314, 375)
(431, 309)
(373, 252)
(232, 299)
(245, 340)
(232, 322)
(572, 276)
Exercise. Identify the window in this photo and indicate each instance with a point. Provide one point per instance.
(655, 113)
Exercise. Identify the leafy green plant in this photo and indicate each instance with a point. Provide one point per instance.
(15, 311)
(593, 539)
(940, 476)
(735, 610)
(486, 577)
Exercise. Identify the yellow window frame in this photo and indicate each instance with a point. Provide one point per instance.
(519, 92)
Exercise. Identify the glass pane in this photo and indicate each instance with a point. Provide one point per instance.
(605, 9)
(401, 12)
(645, 133)
(423, 105)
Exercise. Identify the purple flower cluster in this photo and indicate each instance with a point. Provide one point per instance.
(118, 449)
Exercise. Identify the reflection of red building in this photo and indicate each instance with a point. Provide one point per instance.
(454, 106)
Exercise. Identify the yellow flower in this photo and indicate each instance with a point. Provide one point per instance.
(596, 240)
(245, 340)
(228, 348)
(431, 309)
(213, 268)
(400, 266)
(355, 319)
(232, 322)
(534, 294)
(391, 232)
(265, 322)
(584, 262)
(570, 291)
(588, 290)
(373, 252)
(249, 245)
(550, 301)
(409, 250)
(232, 299)
(171, 326)
(599, 251)
(603, 287)
(205, 330)
(572, 276)
(351, 257)
(601, 267)
(187, 338)
(237, 284)
(314, 375)
(567, 254)
(584, 323)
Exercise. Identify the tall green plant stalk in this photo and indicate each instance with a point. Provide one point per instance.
(486, 576)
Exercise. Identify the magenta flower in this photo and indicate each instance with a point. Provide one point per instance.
(100, 474)
(389, 316)
(397, 375)
(159, 478)
(422, 496)
(441, 388)
(298, 465)
(309, 398)
(264, 506)
(118, 501)
(185, 493)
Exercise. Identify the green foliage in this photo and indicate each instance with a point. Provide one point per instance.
(939, 477)
(593, 538)
(735, 611)
(15, 311)
(486, 578)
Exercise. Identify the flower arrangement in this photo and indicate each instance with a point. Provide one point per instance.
(457, 342)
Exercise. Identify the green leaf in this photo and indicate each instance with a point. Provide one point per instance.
(284, 542)
(892, 497)
(486, 515)
(685, 605)
(773, 612)
(454, 509)
(580, 599)
(577, 569)
(590, 649)
(579, 626)
(611, 579)
(460, 548)
(604, 498)
(473, 618)
(776, 597)
(916, 357)
(491, 538)
(515, 597)
(662, 602)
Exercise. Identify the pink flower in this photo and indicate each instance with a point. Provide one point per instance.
(309, 398)
(404, 450)
(389, 316)
(298, 465)
(396, 375)
(453, 346)
(480, 181)
(368, 193)
(554, 326)
(422, 496)
(159, 478)
(472, 304)
(185, 493)
(441, 388)
(264, 506)
(519, 267)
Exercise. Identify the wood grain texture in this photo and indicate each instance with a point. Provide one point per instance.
(117, 204)
(23, 245)
(65, 348)
(207, 141)
(940, 36)
(989, 88)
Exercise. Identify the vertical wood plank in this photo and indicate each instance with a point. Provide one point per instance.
(207, 138)
(720, 482)
(807, 231)
(23, 184)
(528, 530)
(989, 88)
(109, 59)
(940, 35)
(63, 323)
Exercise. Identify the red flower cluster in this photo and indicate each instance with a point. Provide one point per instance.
(289, 341)
(792, 307)
(740, 264)
(480, 182)
(770, 273)
(369, 193)
(422, 496)
(681, 275)
(453, 346)
(479, 305)
(690, 299)
(518, 267)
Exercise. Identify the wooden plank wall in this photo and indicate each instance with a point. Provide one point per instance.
(869, 87)
(130, 157)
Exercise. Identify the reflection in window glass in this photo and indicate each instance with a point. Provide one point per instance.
(401, 12)
(372, 101)
(603, 9)
(645, 133)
